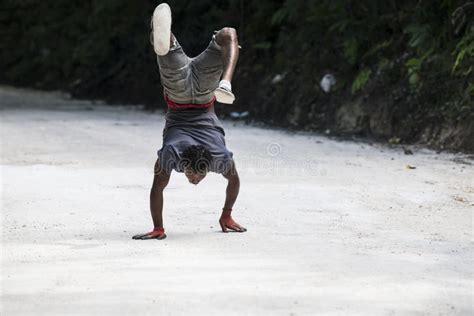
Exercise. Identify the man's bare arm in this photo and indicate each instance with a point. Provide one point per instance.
(160, 181)
(233, 187)
(232, 191)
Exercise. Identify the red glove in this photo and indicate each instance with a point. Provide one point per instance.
(227, 222)
(157, 233)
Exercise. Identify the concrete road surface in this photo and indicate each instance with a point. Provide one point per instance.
(334, 227)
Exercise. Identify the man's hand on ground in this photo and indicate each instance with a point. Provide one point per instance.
(227, 222)
(157, 233)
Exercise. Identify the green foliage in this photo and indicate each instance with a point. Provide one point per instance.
(263, 45)
(404, 49)
(420, 36)
(464, 51)
(361, 80)
(350, 50)
(469, 92)
(414, 66)
(377, 48)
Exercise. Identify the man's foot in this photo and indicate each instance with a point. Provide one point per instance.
(161, 29)
(157, 233)
(227, 222)
(224, 93)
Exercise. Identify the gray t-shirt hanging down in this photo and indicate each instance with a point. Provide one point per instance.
(193, 127)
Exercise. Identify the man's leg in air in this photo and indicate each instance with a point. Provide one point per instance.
(232, 191)
(160, 181)
(161, 29)
(227, 39)
(217, 62)
(172, 60)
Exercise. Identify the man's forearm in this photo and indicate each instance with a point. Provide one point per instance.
(232, 191)
(160, 181)
(233, 185)
(156, 207)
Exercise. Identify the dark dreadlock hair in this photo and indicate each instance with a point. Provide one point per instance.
(196, 157)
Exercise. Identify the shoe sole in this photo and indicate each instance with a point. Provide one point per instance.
(224, 96)
(161, 27)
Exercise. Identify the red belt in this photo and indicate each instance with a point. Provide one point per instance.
(180, 106)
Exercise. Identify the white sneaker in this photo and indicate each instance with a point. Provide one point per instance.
(161, 29)
(224, 93)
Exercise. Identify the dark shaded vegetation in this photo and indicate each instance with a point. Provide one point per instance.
(404, 69)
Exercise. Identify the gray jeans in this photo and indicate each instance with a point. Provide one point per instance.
(191, 80)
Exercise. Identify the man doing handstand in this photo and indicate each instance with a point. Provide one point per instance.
(193, 137)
